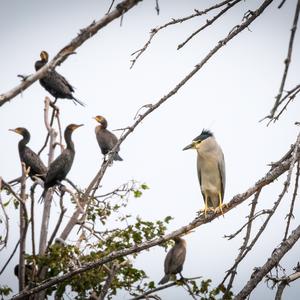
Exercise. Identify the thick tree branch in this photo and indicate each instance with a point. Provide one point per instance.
(62, 55)
(272, 261)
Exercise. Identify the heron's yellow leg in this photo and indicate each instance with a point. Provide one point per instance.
(220, 202)
(206, 206)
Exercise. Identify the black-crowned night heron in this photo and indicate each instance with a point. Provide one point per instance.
(174, 260)
(106, 139)
(210, 168)
(27, 156)
(57, 85)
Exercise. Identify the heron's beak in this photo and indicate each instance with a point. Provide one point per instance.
(190, 146)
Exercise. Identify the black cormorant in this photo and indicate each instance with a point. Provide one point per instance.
(174, 260)
(61, 166)
(53, 82)
(30, 158)
(106, 139)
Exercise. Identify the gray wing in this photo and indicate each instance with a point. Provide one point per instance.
(221, 166)
(32, 160)
(199, 177)
(174, 260)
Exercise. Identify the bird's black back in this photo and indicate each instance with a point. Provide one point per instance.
(59, 168)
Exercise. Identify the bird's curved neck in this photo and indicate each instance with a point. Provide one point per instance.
(39, 64)
(24, 141)
(68, 139)
(103, 124)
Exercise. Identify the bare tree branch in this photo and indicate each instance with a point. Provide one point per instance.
(62, 55)
(208, 23)
(287, 61)
(154, 31)
(272, 261)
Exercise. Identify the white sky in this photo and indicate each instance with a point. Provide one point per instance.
(229, 96)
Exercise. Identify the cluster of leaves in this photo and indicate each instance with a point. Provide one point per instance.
(205, 292)
(4, 291)
(62, 259)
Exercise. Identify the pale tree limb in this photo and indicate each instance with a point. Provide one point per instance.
(111, 274)
(96, 181)
(49, 194)
(278, 100)
(272, 261)
(85, 34)
(23, 228)
(236, 200)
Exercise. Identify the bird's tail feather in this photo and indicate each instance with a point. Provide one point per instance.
(117, 157)
(41, 200)
(78, 101)
(165, 279)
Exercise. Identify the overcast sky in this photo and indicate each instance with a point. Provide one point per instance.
(229, 96)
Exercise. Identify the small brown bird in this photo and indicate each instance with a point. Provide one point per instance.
(60, 167)
(174, 260)
(57, 85)
(106, 139)
(27, 156)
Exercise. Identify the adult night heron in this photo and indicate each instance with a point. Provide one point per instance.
(174, 260)
(210, 168)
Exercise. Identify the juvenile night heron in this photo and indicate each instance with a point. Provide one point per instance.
(106, 139)
(60, 167)
(57, 85)
(210, 168)
(27, 156)
(174, 260)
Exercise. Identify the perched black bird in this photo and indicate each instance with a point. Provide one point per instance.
(27, 156)
(174, 260)
(61, 166)
(28, 272)
(54, 83)
(106, 139)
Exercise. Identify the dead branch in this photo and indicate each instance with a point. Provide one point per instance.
(154, 31)
(208, 23)
(287, 64)
(4, 240)
(272, 261)
(84, 34)
(290, 214)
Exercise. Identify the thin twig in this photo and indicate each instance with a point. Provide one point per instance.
(154, 31)
(287, 64)
(208, 23)
(290, 214)
(6, 223)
